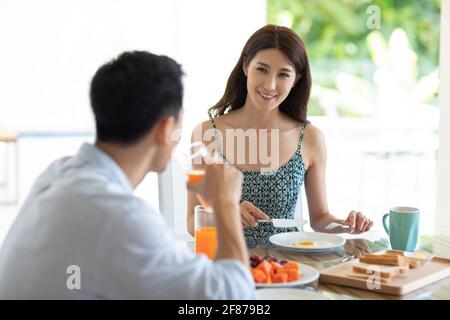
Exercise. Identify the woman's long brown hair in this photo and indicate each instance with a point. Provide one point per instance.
(286, 40)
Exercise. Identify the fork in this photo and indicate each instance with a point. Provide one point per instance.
(333, 225)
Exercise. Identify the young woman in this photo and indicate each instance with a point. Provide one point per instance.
(264, 108)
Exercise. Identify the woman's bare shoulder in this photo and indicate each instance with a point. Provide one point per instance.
(314, 147)
(200, 130)
(229, 120)
(313, 134)
(207, 124)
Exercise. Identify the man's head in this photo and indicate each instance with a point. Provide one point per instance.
(135, 95)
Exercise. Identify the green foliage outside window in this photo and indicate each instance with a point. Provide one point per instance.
(344, 52)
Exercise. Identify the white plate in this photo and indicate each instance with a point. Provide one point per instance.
(288, 294)
(322, 241)
(308, 275)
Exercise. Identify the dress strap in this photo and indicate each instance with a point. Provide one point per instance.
(213, 123)
(302, 132)
(216, 138)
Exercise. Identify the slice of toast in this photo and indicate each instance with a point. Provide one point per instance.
(371, 277)
(385, 259)
(382, 271)
(413, 262)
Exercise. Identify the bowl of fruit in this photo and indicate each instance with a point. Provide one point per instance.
(270, 272)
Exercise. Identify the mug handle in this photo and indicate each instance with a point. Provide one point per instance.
(385, 225)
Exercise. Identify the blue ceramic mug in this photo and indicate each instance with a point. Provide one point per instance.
(403, 227)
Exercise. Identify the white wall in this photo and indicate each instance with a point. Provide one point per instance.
(51, 49)
(443, 196)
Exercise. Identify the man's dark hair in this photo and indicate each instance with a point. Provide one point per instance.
(131, 93)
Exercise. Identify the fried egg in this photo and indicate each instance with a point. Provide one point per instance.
(310, 244)
(304, 243)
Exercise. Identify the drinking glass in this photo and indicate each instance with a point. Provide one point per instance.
(205, 231)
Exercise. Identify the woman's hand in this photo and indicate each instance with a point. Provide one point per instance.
(358, 222)
(250, 213)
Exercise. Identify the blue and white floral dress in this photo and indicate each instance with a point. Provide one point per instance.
(274, 192)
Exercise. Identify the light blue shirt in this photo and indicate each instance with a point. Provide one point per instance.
(82, 234)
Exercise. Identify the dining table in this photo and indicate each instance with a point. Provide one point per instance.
(354, 247)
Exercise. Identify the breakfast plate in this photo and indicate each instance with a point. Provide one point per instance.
(308, 275)
(307, 241)
(288, 294)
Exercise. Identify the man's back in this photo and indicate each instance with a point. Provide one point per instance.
(58, 224)
(82, 234)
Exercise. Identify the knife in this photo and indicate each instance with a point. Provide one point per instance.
(285, 223)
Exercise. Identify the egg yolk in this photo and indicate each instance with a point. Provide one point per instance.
(305, 243)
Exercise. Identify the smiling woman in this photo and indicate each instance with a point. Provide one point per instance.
(285, 56)
(267, 94)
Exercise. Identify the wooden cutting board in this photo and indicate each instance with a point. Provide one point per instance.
(435, 270)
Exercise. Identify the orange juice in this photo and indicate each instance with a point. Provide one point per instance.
(195, 176)
(206, 241)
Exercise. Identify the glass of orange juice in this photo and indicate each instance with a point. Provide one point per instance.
(192, 162)
(205, 231)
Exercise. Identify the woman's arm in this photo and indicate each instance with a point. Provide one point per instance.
(315, 187)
